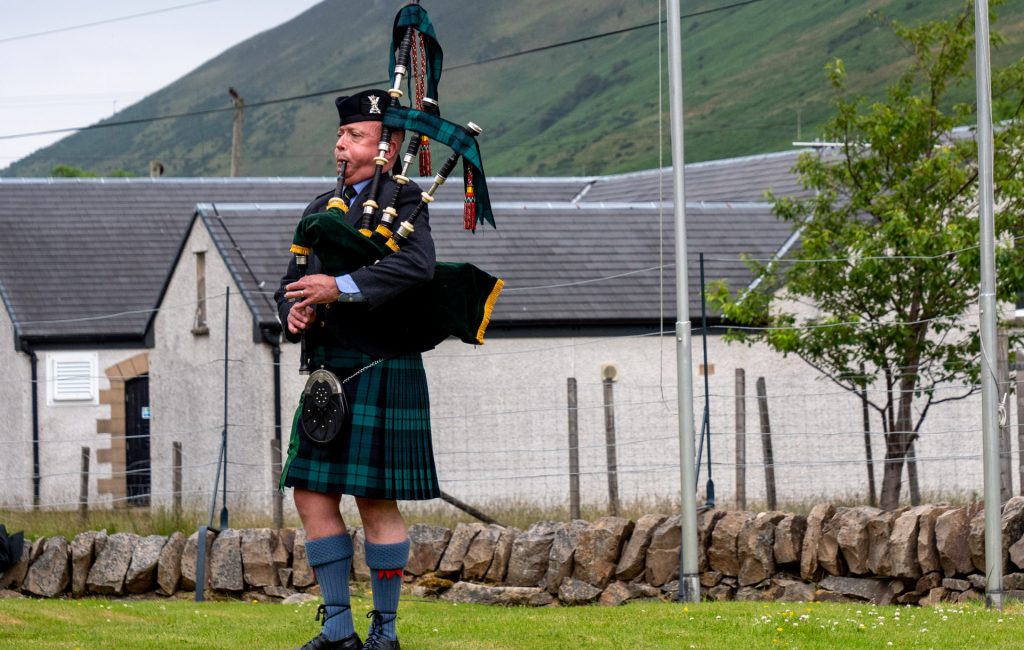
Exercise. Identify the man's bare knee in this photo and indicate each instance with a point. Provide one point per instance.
(320, 513)
(382, 521)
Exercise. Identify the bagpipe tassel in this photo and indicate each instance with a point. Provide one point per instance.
(469, 208)
(426, 167)
(419, 63)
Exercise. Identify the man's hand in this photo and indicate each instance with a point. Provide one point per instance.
(300, 318)
(309, 290)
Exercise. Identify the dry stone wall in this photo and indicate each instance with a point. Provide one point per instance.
(921, 555)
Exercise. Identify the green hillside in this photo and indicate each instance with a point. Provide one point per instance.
(753, 76)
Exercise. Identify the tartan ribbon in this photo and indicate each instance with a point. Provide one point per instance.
(415, 16)
(454, 136)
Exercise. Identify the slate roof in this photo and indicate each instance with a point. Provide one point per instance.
(731, 179)
(75, 251)
(567, 264)
(86, 260)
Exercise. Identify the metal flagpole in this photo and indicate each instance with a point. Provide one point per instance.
(987, 299)
(689, 585)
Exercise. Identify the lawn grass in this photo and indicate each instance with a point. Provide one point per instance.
(92, 623)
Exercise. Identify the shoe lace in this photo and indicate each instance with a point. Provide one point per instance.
(375, 639)
(374, 643)
(322, 614)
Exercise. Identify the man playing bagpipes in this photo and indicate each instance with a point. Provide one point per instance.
(365, 296)
(383, 452)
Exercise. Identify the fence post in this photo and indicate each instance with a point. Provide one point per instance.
(608, 374)
(741, 439)
(914, 485)
(1020, 419)
(866, 415)
(766, 443)
(872, 493)
(275, 464)
(1003, 393)
(574, 449)
(176, 479)
(83, 488)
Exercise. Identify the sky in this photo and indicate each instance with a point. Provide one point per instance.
(80, 72)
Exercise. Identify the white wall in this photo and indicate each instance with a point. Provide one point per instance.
(187, 390)
(64, 428)
(15, 419)
(501, 424)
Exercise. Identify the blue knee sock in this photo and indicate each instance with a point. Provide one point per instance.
(331, 559)
(386, 562)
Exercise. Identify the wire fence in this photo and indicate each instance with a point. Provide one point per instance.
(501, 420)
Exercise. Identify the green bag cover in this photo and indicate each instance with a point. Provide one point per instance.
(457, 301)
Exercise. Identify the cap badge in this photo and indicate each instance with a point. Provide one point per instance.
(374, 104)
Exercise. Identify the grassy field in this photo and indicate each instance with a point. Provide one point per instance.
(88, 624)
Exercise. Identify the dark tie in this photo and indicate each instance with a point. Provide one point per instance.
(348, 194)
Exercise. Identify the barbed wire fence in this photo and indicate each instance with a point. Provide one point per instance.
(501, 419)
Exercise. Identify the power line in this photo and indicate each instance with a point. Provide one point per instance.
(334, 91)
(70, 28)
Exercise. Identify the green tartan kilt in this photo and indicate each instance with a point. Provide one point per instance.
(385, 451)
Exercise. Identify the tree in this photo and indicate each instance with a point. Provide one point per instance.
(69, 171)
(887, 274)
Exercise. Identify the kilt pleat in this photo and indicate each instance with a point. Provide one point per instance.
(384, 451)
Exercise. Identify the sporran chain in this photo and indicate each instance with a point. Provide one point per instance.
(363, 369)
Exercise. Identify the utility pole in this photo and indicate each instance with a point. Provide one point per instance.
(987, 303)
(236, 132)
(689, 578)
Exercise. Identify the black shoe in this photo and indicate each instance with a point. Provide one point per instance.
(321, 642)
(375, 639)
(374, 642)
(351, 642)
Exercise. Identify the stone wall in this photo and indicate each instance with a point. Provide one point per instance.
(920, 555)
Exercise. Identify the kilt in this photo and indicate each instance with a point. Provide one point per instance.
(384, 451)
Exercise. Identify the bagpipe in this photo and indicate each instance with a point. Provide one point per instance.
(459, 299)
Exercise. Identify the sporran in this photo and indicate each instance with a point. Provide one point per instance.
(324, 407)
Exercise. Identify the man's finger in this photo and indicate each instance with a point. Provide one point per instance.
(296, 291)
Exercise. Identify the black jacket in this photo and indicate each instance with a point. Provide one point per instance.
(351, 325)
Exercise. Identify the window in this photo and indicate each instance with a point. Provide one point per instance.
(72, 378)
(199, 327)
